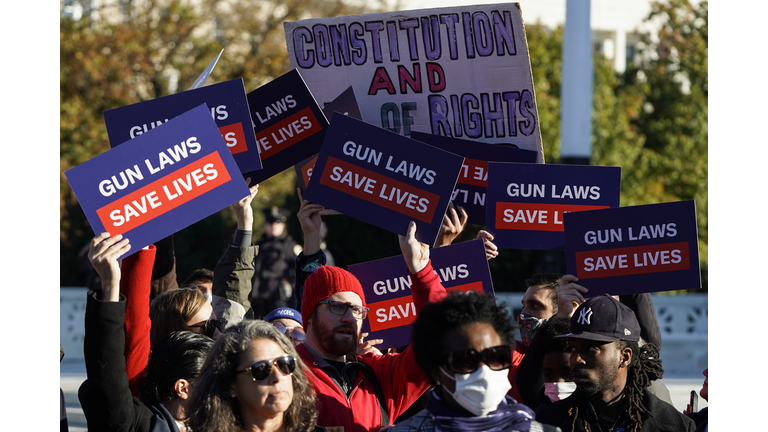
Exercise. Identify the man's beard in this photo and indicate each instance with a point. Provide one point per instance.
(598, 382)
(331, 343)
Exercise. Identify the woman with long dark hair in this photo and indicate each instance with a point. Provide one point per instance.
(253, 380)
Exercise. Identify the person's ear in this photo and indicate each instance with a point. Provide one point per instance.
(626, 357)
(182, 388)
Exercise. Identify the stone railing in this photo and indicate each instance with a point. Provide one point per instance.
(682, 319)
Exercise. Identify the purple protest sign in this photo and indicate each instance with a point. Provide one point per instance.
(228, 107)
(471, 187)
(529, 200)
(635, 249)
(159, 182)
(345, 104)
(288, 123)
(387, 287)
(383, 178)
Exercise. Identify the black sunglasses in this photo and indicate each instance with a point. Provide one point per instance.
(260, 370)
(340, 308)
(468, 360)
(209, 326)
(295, 333)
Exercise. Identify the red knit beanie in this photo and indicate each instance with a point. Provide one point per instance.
(324, 282)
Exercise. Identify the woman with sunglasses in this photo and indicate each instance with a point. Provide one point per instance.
(253, 380)
(464, 343)
(182, 309)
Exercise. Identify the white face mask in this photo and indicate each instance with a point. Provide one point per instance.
(559, 390)
(481, 391)
(209, 296)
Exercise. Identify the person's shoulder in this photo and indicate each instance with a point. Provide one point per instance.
(554, 412)
(666, 413)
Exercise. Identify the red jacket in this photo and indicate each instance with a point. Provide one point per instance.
(135, 285)
(402, 380)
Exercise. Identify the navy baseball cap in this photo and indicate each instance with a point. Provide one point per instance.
(284, 312)
(605, 319)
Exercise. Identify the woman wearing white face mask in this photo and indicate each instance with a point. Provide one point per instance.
(465, 343)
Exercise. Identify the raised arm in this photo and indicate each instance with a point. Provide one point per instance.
(136, 286)
(425, 286)
(105, 395)
(233, 274)
(312, 257)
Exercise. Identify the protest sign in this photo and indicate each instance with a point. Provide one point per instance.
(200, 81)
(228, 107)
(159, 182)
(345, 104)
(387, 287)
(285, 116)
(529, 200)
(382, 178)
(471, 187)
(463, 71)
(637, 249)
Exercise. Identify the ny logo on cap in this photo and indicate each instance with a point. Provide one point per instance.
(584, 316)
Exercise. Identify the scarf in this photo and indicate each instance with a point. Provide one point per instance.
(510, 416)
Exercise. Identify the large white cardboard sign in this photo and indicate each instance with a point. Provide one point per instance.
(463, 72)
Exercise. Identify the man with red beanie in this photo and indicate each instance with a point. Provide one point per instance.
(371, 391)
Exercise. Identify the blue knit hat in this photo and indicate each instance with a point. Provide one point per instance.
(284, 312)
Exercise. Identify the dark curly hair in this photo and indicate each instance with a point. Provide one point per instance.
(457, 310)
(212, 409)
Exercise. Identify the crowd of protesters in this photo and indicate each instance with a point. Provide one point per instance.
(211, 355)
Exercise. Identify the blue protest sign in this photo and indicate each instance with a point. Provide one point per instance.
(160, 182)
(529, 200)
(228, 107)
(383, 178)
(635, 249)
(387, 287)
(345, 104)
(471, 187)
(288, 123)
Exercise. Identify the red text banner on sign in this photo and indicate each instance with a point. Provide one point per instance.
(287, 133)
(633, 260)
(535, 216)
(401, 311)
(164, 194)
(474, 172)
(235, 137)
(379, 189)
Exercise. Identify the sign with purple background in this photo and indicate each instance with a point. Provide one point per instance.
(383, 178)
(159, 182)
(527, 201)
(637, 249)
(387, 287)
(288, 124)
(344, 104)
(470, 189)
(228, 107)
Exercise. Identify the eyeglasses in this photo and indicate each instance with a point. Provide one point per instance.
(295, 333)
(468, 360)
(209, 326)
(260, 370)
(340, 308)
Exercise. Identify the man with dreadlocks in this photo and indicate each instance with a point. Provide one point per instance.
(612, 368)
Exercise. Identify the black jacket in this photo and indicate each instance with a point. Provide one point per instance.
(105, 397)
(663, 418)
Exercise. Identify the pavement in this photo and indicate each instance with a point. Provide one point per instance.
(72, 374)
